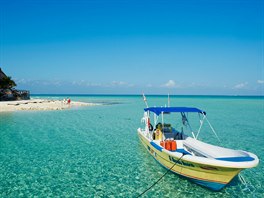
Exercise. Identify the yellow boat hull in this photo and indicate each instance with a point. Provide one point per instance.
(212, 177)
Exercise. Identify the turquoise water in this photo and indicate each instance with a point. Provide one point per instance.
(95, 151)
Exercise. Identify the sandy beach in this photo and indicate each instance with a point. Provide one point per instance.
(39, 105)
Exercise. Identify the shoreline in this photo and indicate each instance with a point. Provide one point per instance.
(39, 105)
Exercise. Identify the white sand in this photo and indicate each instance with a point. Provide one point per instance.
(39, 104)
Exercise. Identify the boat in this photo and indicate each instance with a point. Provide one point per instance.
(205, 164)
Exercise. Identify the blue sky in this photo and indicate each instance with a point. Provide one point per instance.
(130, 47)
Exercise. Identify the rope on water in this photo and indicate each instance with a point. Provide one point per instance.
(160, 177)
(242, 179)
(245, 183)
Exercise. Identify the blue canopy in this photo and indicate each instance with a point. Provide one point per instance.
(159, 110)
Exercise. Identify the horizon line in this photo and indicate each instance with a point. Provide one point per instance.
(119, 94)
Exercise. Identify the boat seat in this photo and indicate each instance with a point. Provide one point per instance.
(169, 135)
(211, 151)
(174, 135)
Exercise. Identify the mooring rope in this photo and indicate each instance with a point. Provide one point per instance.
(245, 183)
(160, 177)
(242, 179)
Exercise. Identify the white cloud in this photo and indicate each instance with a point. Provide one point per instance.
(260, 81)
(118, 83)
(196, 84)
(170, 84)
(29, 82)
(240, 85)
(149, 85)
(21, 81)
(79, 83)
(83, 83)
(121, 84)
(51, 82)
(131, 85)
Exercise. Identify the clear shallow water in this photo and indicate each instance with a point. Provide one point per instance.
(95, 151)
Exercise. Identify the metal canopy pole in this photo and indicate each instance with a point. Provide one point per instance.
(162, 121)
(201, 124)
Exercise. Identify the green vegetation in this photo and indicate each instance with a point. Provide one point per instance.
(7, 83)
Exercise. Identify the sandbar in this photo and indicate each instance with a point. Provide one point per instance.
(39, 105)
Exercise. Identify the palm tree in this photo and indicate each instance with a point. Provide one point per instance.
(7, 83)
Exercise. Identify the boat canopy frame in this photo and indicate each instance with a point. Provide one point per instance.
(159, 110)
(166, 110)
